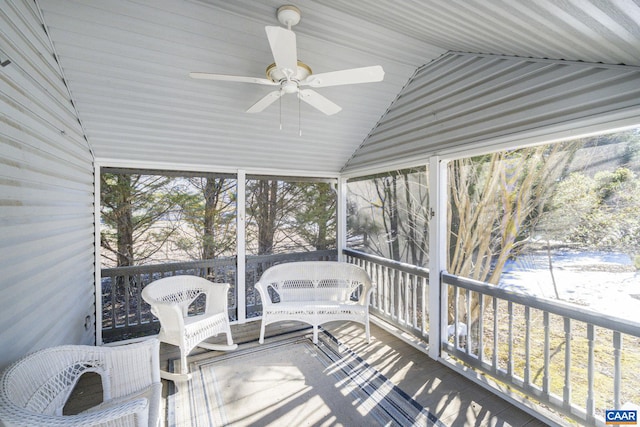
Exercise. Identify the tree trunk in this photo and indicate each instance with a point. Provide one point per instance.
(124, 222)
(212, 190)
(266, 217)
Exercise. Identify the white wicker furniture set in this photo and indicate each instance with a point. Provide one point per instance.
(315, 292)
(35, 389)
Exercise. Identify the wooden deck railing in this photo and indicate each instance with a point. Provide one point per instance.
(567, 357)
(126, 315)
(401, 295)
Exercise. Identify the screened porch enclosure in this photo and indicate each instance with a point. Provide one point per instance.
(497, 311)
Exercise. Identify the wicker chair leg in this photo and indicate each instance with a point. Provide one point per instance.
(184, 368)
(262, 327)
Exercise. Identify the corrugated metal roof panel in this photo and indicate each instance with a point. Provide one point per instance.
(585, 30)
(465, 100)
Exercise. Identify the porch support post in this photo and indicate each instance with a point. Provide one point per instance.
(341, 238)
(241, 256)
(97, 245)
(437, 254)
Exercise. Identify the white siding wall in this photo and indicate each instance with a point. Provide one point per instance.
(462, 101)
(46, 196)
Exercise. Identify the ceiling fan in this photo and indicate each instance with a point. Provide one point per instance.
(290, 74)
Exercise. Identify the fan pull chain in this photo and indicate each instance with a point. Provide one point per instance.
(280, 102)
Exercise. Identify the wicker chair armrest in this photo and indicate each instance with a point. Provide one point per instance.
(102, 417)
(170, 314)
(117, 409)
(217, 298)
(365, 296)
(264, 293)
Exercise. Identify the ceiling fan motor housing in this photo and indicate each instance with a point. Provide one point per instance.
(276, 75)
(288, 15)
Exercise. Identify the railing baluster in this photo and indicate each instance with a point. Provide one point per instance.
(481, 327)
(401, 297)
(414, 301)
(496, 336)
(379, 288)
(424, 305)
(387, 289)
(591, 407)
(393, 287)
(114, 293)
(406, 298)
(388, 309)
(527, 347)
(510, 358)
(138, 299)
(456, 299)
(617, 371)
(127, 300)
(567, 363)
(468, 323)
(546, 380)
(402, 292)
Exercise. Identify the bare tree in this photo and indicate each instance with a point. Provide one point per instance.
(390, 212)
(208, 207)
(264, 210)
(495, 202)
(131, 207)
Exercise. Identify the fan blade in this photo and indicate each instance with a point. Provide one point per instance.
(346, 77)
(226, 78)
(263, 103)
(318, 101)
(283, 48)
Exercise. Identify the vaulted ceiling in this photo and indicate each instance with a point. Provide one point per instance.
(127, 62)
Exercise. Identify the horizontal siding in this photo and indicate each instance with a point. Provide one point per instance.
(462, 101)
(47, 284)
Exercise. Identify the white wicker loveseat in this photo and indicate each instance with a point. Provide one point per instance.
(315, 292)
(35, 389)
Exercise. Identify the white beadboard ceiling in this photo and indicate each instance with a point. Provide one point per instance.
(126, 63)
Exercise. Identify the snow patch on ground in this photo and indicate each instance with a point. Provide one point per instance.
(604, 282)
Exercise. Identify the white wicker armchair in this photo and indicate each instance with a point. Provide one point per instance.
(170, 299)
(35, 389)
